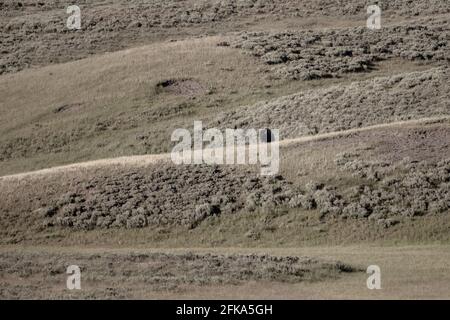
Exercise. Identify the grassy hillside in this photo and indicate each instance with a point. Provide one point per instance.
(364, 118)
(360, 186)
(80, 111)
(34, 33)
(128, 102)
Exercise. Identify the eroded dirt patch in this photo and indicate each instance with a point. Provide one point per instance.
(183, 87)
(68, 107)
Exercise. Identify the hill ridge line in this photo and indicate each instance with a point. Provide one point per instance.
(142, 160)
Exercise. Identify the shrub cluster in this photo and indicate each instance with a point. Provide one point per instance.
(385, 99)
(316, 54)
(164, 195)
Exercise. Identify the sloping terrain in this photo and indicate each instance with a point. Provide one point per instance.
(158, 195)
(364, 118)
(316, 54)
(342, 107)
(128, 102)
(365, 176)
(56, 120)
(34, 33)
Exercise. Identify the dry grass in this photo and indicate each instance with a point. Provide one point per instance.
(145, 160)
(33, 33)
(410, 272)
(122, 104)
(110, 105)
(126, 275)
(305, 160)
(407, 272)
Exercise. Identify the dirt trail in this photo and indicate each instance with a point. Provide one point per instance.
(143, 160)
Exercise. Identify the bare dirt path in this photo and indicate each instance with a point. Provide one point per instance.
(143, 160)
